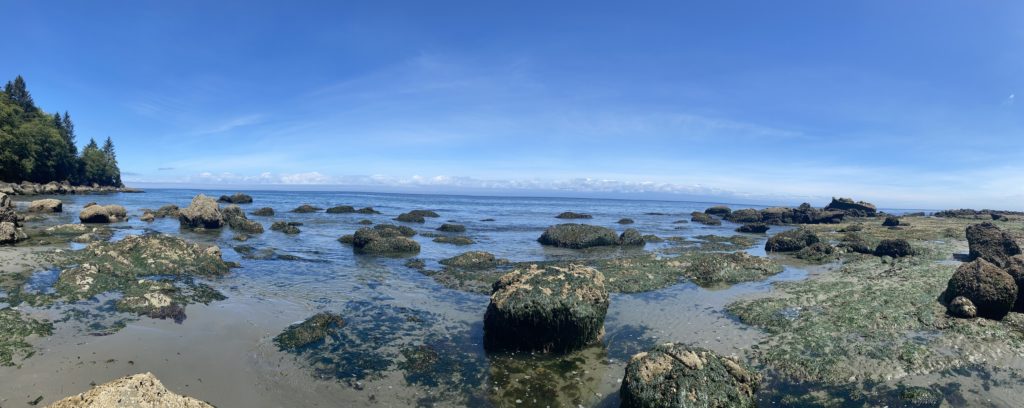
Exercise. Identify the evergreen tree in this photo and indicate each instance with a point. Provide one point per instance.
(17, 92)
(108, 149)
(69, 127)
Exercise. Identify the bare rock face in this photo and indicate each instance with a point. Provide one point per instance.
(202, 213)
(102, 214)
(49, 205)
(988, 242)
(137, 391)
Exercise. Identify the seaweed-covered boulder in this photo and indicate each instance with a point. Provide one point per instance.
(817, 252)
(546, 309)
(236, 198)
(263, 212)
(460, 241)
(578, 236)
(852, 208)
(853, 242)
(306, 208)
(719, 210)
(424, 213)
(744, 216)
(139, 390)
(452, 228)
(367, 210)
(705, 219)
(390, 229)
(675, 375)
(1015, 268)
(631, 237)
(569, 215)
(102, 214)
(895, 248)
(203, 212)
(410, 217)
(47, 205)
(992, 291)
(625, 221)
(237, 220)
(790, 241)
(988, 242)
(341, 209)
(290, 228)
(311, 331)
(753, 228)
(384, 241)
(891, 221)
(472, 260)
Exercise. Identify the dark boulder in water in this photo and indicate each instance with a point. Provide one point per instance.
(383, 240)
(236, 198)
(569, 215)
(790, 241)
(290, 228)
(891, 221)
(452, 228)
(424, 213)
(988, 242)
(460, 241)
(311, 331)
(237, 220)
(631, 237)
(306, 208)
(546, 309)
(753, 228)
(410, 217)
(578, 236)
(746, 215)
(705, 219)
(895, 248)
(719, 210)
(341, 209)
(674, 375)
(852, 208)
(367, 210)
(992, 291)
(625, 221)
(264, 212)
(203, 212)
(472, 260)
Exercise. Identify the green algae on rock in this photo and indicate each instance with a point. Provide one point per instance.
(14, 329)
(460, 241)
(473, 260)
(674, 375)
(384, 239)
(790, 241)
(704, 218)
(569, 215)
(578, 236)
(546, 309)
(311, 331)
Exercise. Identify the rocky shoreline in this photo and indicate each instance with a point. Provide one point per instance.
(60, 188)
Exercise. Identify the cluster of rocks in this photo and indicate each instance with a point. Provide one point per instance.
(53, 188)
(833, 213)
(978, 214)
(808, 245)
(704, 218)
(236, 219)
(852, 208)
(287, 227)
(579, 236)
(990, 285)
(10, 226)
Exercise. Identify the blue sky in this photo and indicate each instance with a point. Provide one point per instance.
(907, 104)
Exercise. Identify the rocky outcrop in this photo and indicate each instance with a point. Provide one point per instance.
(991, 290)
(674, 375)
(753, 228)
(852, 208)
(578, 236)
(384, 240)
(136, 391)
(746, 215)
(988, 242)
(546, 309)
(790, 241)
(895, 248)
(306, 208)
(452, 228)
(236, 219)
(367, 210)
(341, 209)
(203, 212)
(569, 215)
(52, 188)
(236, 198)
(10, 227)
(719, 210)
(48, 205)
(704, 218)
(102, 214)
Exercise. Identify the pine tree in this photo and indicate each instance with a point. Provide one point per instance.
(69, 127)
(108, 149)
(92, 145)
(17, 92)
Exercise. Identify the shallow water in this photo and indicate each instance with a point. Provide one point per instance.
(223, 353)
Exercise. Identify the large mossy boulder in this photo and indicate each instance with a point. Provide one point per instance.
(992, 291)
(578, 236)
(410, 217)
(139, 390)
(753, 228)
(203, 212)
(674, 375)
(312, 331)
(236, 198)
(719, 210)
(790, 241)
(448, 227)
(852, 208)
(988, 242)
(102, 214)
(383, 240)
(425, 213)
(632, 237)
(896, 248)
(47, 205)
(546, 309)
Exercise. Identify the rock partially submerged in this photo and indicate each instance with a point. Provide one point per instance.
(384, 239)
(625, 221)
(309, 332)
(991, 290)
(569, 215)
(578, 236)
(236, 198)
(410, 217)
(102, 214)
(704, 218)
(753, 228)
(367, 210)
(136, 391)
(790, 241)
(306, 208)
(988, 242)
(341, 209)
(47, 205)
(237, 220)
(452, 228)
(674, 375)
(263, 212)
(460, 241)
(719, 210)
(852, 208)
(546, 309)
(290, 228)
(473, 260)
(632, 237)
(203, 212)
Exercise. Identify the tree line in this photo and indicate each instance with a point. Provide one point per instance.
(38, 147)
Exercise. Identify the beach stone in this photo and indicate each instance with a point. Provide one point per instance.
(263, 212)
(891, 221)
(744, 216)
(852, 208)
(569, 215)
(546, 309)
(895, 248)
(102, 214)
(705, 219)
(963, 307)
(753, 228)
(384, 241)
(674, 375)
(341, 209)
(992, 291)
(203, 212)
(790, 241)
(719, 210)
(136, 391)
(472, 260)
(309, 332)
(988, 242)
(578, 236)
(631, 237)
(48, 205)
(236, 198)
(452, 228)
(306, 208)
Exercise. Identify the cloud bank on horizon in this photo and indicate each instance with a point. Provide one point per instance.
(906, 104)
